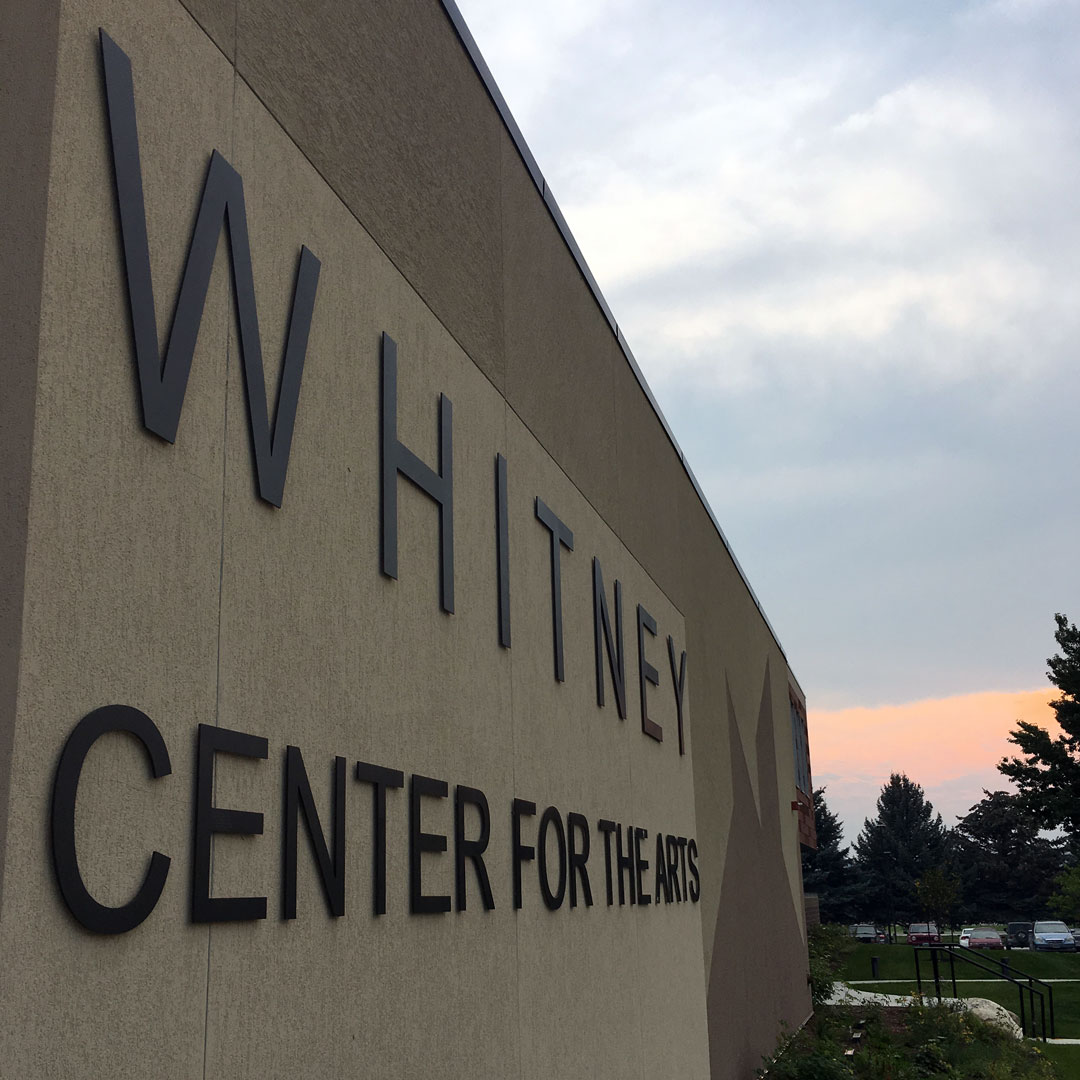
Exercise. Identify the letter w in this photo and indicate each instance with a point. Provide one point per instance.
(162, 384)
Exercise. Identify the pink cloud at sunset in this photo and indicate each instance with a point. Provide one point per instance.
(951, 746)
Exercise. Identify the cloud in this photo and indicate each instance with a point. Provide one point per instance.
(1018, 11)
(841, 240)
(541, 40)
(886, 208)
(900, 181)
(950, 746)
(884, 235)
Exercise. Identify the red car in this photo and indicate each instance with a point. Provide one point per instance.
(985, 937)
(920, 933)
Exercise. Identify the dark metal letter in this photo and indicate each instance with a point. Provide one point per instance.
(298, 797)
(398, 458)
(625, 863)
(578, 857)
(607, 828)
(420, 841)
(211, 819)
(92, 915)
(673, 869)
(162, 385)
(380, 779)
(502, 548)
(647, 673)
(695, 885)
(682, 862)
(603, 636)
(522, 852)
(678, 679)
(560, 535)
(553, 900)
(643, 896)
(471, 849)
(663, 886)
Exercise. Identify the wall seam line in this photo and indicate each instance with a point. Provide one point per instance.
(620, 340)
(221, 582)
(513, 782)
(438, 318)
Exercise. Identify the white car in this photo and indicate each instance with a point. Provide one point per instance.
(965, 937)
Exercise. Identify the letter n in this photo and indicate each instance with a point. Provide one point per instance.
(603, 636)
(162, 384)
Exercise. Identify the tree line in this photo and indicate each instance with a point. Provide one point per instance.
(997, 863)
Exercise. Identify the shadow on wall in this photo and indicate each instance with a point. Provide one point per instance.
(757, 941)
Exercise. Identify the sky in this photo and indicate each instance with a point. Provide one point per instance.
(841, 239)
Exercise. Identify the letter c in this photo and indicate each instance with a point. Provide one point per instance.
(94, 916)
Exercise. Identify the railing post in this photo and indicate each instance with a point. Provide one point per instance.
(1020, 980)
(918, 973)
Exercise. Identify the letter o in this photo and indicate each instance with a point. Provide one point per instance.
(551, 816)
(93, 915)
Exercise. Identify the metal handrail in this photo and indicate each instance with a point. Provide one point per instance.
(1003, 971)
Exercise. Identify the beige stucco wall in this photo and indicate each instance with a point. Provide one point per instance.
(154, 577)
(28, 55)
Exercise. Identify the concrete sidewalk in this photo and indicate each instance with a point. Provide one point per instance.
(894, 982)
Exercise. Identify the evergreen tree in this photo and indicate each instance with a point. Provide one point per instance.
(1047, 775)
(1007, 869)
(898, 846)
(829, 872)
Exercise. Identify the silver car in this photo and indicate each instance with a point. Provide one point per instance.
(1051, 934)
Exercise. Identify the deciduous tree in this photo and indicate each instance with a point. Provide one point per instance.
(938, 891)
(1065, 899)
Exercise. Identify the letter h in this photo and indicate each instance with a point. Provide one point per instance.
(398, 458)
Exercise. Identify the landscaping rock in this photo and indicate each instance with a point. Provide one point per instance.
(983, 1008)
(993, 1013)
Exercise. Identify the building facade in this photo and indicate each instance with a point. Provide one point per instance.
(380, 696)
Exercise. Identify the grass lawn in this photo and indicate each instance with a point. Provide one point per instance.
(1066, 1060)
(898, 962)
(897, 976)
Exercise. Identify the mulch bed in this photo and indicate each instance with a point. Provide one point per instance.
(893, 1018)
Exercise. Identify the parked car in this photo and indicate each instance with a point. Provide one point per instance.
(985, 937)
(920, 933)
(867, 934)
(1017, 935)
(965, 937)
(1051, 934)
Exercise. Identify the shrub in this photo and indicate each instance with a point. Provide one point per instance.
(919, 1042)
(819, 1064)
(827, 947)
